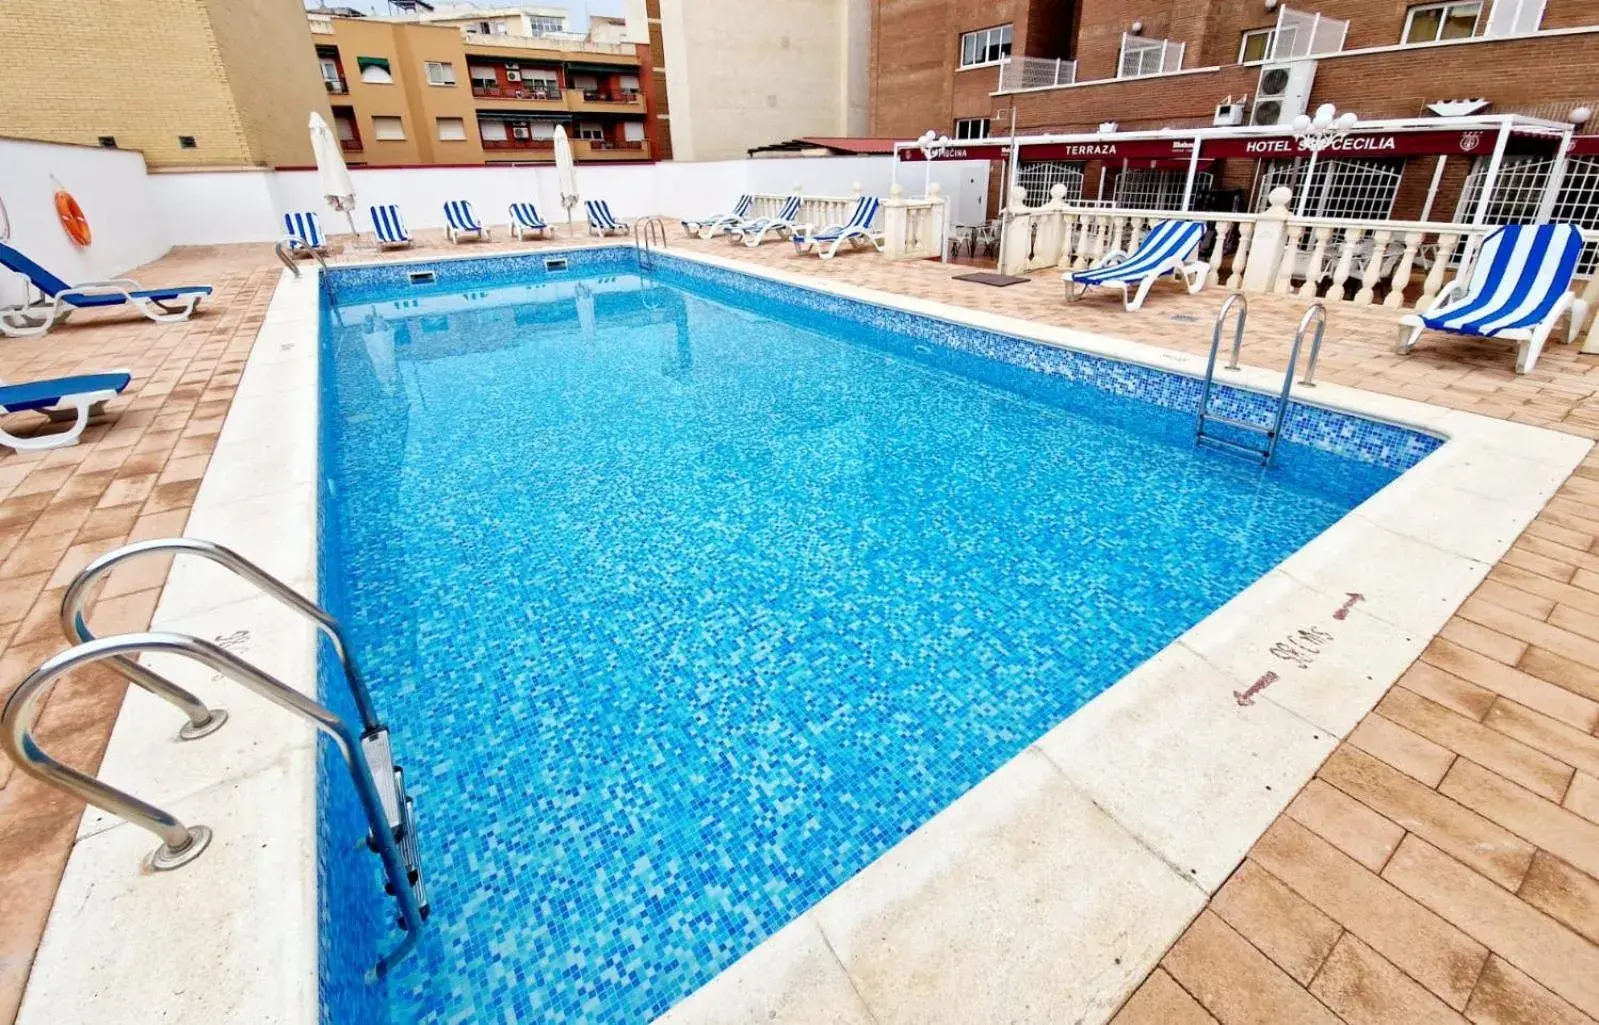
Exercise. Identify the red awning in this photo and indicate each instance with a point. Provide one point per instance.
(1359, 145)
(1128, 149)
(1584, 145)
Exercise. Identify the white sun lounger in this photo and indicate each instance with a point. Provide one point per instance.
(1517, 289)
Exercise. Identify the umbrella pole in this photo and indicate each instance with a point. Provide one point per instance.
(355, 236)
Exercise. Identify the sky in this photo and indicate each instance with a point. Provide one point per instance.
(580, 9)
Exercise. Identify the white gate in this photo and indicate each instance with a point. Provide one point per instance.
(1354, 189)
(1036, 176)
(1155, 188)
(1519, 191)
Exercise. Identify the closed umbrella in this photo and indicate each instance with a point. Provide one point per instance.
(337, 186)
(566, 174)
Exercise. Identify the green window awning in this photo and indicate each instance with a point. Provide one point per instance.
(362, 63)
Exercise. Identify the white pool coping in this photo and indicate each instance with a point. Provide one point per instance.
(1045, 893)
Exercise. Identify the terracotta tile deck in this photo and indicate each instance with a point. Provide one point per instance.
(1443, 866)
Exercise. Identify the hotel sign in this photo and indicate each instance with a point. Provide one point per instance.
(1125, 149)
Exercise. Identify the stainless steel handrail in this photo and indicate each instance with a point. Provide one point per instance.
(1236, 299)
(652, 237)
(181, 844)
(77, 631)
(1318, 311)
(282, 246)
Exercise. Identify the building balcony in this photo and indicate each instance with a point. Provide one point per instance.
(336, 85)
(350, 145)
(605, 149)
(539, 98)
(606, 101)
(520, 149)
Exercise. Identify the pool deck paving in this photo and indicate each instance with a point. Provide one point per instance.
(1443, 864)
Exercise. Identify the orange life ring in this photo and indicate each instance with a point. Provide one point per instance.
(72, 220)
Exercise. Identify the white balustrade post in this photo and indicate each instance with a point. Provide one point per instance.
(1048, 243)
(1246, 235)
(1368, 280)
(1068, 246)
(1440, 266)
(1318, 253)
(1266, 249)
(1401, 279)
(1018, 242)
(933, 239)
(1292, 236)
(1590, 342)
(1218, 252)
(896, 225)
(1346, 262)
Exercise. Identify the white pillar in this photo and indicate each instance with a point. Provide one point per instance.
(1491, 179)
(1266, 248)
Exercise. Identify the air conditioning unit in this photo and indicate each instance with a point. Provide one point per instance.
(513, 75)
(1284, 92)
(1230, 112)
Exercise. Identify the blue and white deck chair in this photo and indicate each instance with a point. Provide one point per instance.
(1166, 249)
(754, 231)
(50, 300)
(526, 222)
(716, 224)
(61, 399)
(1518, 286)
(601, 222)
(305, 227)
(389, 227)
(856, 231)
(461, 220)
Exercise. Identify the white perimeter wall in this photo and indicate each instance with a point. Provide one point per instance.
(136, 216)
(112, 188)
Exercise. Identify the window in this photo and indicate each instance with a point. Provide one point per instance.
(374, 70)
(186, 142)
(108, 141)
(491, 130)
(591, 132)
(1431, 23)
(971, 128)
(483, 76)
(1158, 188)
(388, 129)
(633, 131)
(439, 72)
(1037, 177)
(985, 46)
(542, 24)
(452, 129)
(1256, 45)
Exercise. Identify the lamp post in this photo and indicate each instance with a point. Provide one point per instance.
(1316, 133)
(932, 146)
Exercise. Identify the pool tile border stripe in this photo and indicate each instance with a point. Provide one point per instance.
(1054, 885)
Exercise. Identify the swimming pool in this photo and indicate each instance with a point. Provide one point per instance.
(688, 594)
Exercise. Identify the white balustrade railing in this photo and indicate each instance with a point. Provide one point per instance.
(914, 229)
(1035, 73)
(1395, 264)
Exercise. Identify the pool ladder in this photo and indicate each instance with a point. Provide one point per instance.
(1205, 420)
(284, 249)
(380, 783)
(649, 233)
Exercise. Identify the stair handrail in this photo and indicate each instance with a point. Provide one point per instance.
(181, 844)
(1318, 311)
(77, 630)
(1241, 301)
(1317, 314)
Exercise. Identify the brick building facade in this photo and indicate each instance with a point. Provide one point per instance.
(1385, 59)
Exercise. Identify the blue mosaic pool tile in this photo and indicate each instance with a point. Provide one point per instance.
(688, 595)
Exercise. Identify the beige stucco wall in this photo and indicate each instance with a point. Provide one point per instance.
(269, 62)
(147, 71)
(741, 75)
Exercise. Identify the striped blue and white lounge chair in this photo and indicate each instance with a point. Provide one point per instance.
(1166, 249)
(601, 222)
(856, 231)
(716, 224)
(61, 399)
(526, 222)
(461, 220)
(306, 228)
(1518, 286)
(56, 300)
(754, 231)
(389, 227)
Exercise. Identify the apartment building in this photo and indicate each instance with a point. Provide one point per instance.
(182, 81)
(481, 87)
(1076, 65)
(730, 76)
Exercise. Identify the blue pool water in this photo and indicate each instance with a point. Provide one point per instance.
(686, 599)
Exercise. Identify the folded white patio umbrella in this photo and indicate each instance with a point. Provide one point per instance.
(338, 188)
(566, 174)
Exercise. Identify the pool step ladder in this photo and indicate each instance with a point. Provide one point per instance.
(649, 234)
(379, 783)
(1248, 438)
